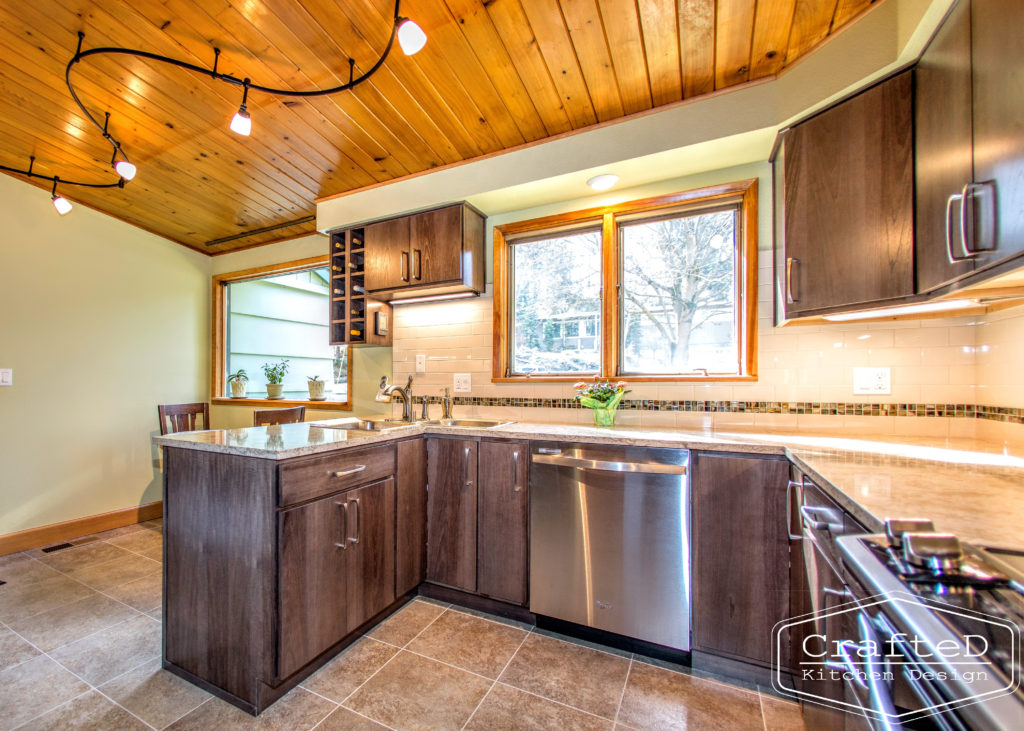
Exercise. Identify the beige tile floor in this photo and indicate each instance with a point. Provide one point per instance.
(80, 649)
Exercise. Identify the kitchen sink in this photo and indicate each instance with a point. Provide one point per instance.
(354, 424)
(471, 423)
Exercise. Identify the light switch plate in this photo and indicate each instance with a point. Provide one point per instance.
(421, 363)
(872, 381)
(6, 376)
(463, 383)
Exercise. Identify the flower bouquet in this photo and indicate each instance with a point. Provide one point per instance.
(602, 397)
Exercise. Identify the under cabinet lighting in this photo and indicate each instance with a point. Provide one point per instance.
(925, 307)
(411, 37)
(603, 182)
(433, 298)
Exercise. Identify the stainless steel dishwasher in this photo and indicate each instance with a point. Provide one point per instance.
(609, 539)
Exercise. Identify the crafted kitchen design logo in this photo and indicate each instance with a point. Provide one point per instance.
(850, 657)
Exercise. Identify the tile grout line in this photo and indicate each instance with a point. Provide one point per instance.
(205, 701)
(500, 673)
(625, 684)
(760, 705)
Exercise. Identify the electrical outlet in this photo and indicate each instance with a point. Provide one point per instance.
(872, 380)
(421, 363)
(6, 376)
(463, 383)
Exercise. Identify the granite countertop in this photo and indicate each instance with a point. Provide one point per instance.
(968, 487)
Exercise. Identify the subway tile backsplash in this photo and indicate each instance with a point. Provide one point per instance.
(949, 375)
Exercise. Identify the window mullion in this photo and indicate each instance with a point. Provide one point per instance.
(610, 297)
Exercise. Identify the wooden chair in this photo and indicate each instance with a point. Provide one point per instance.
(182, 417)
(265, 417)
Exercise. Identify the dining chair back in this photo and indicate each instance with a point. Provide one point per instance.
(265, 417)
(182, 417)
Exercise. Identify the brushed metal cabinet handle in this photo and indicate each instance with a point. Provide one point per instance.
(967, 195)
(344, 526)
(789, 509)
(790, 297)
(516, 487)
(405, 266)
(417, 264)
(346, 473)
(359, 522)
(953, 198)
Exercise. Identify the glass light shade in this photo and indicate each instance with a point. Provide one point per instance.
(241, 123)
(603, 182)
(125, 169)
(63, 205)
(411, 37)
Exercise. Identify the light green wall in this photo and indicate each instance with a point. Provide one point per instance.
(369, 363)
(101, 322)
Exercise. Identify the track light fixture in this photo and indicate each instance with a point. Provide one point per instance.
(410, 37)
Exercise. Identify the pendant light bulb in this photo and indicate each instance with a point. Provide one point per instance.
(62, 204)
(125, 169)
(241, 123)
(411, 37)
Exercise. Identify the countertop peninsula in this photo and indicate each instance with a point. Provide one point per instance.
(966, 486)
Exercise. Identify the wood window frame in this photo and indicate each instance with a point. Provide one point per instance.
(219, 329)
(743, 192)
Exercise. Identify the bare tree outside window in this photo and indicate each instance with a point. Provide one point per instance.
(679, 294)
(556, 304)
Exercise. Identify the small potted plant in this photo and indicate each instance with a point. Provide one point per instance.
(275, 375)
(237, 381)
(602, 397)
(316, 388)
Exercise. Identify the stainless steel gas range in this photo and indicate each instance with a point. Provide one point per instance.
(939, 627)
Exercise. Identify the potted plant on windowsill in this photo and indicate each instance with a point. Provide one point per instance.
(602, 397)
(275, 373)
(316, 388)
(237, 382)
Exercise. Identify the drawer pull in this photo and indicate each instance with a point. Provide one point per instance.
(811, 518)
(844, 593)
(346, 473)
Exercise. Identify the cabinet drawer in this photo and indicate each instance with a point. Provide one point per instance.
(822, 521)
(312, 478)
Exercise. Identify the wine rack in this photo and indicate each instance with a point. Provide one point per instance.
(355, 319)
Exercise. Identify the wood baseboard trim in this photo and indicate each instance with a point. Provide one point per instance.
(46, 535)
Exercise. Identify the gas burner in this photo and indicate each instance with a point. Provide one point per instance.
(921, 556)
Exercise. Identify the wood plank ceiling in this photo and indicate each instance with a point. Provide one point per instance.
(494, 74)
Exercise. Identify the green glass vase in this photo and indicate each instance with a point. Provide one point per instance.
(605, 416)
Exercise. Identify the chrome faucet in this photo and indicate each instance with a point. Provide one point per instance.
(446, 405)
(386, 392)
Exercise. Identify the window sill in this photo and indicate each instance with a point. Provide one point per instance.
(283, 403)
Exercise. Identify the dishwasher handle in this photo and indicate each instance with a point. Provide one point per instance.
(656, 468)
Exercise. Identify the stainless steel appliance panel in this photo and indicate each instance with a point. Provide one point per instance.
(609, 543)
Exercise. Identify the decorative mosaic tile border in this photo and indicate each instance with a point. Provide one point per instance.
(964, 411)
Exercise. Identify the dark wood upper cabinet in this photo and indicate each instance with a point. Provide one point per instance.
(452, 512)
(740, 554)
(411, 516)
(943, 157)
(503, 521)
(434, 252)
(849, 207)
(998, 102)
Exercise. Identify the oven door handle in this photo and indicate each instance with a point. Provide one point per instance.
(880, 698)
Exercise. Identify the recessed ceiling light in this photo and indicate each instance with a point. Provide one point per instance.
(603, 182)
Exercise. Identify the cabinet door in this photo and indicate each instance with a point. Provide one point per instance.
(503, 527)
(451, 513)
(998, 58)
(371, 551)
(312, 581)
(849, 201)
(740, 555)
(386, 258)
(436, 245)
(411, 517)
(943, 157)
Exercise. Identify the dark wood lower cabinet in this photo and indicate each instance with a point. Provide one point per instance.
(503, 521)
(740, 555)
(411, 515)
(452, 512)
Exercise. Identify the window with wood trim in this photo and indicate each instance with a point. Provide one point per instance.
(276, 313)
(658, 289)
